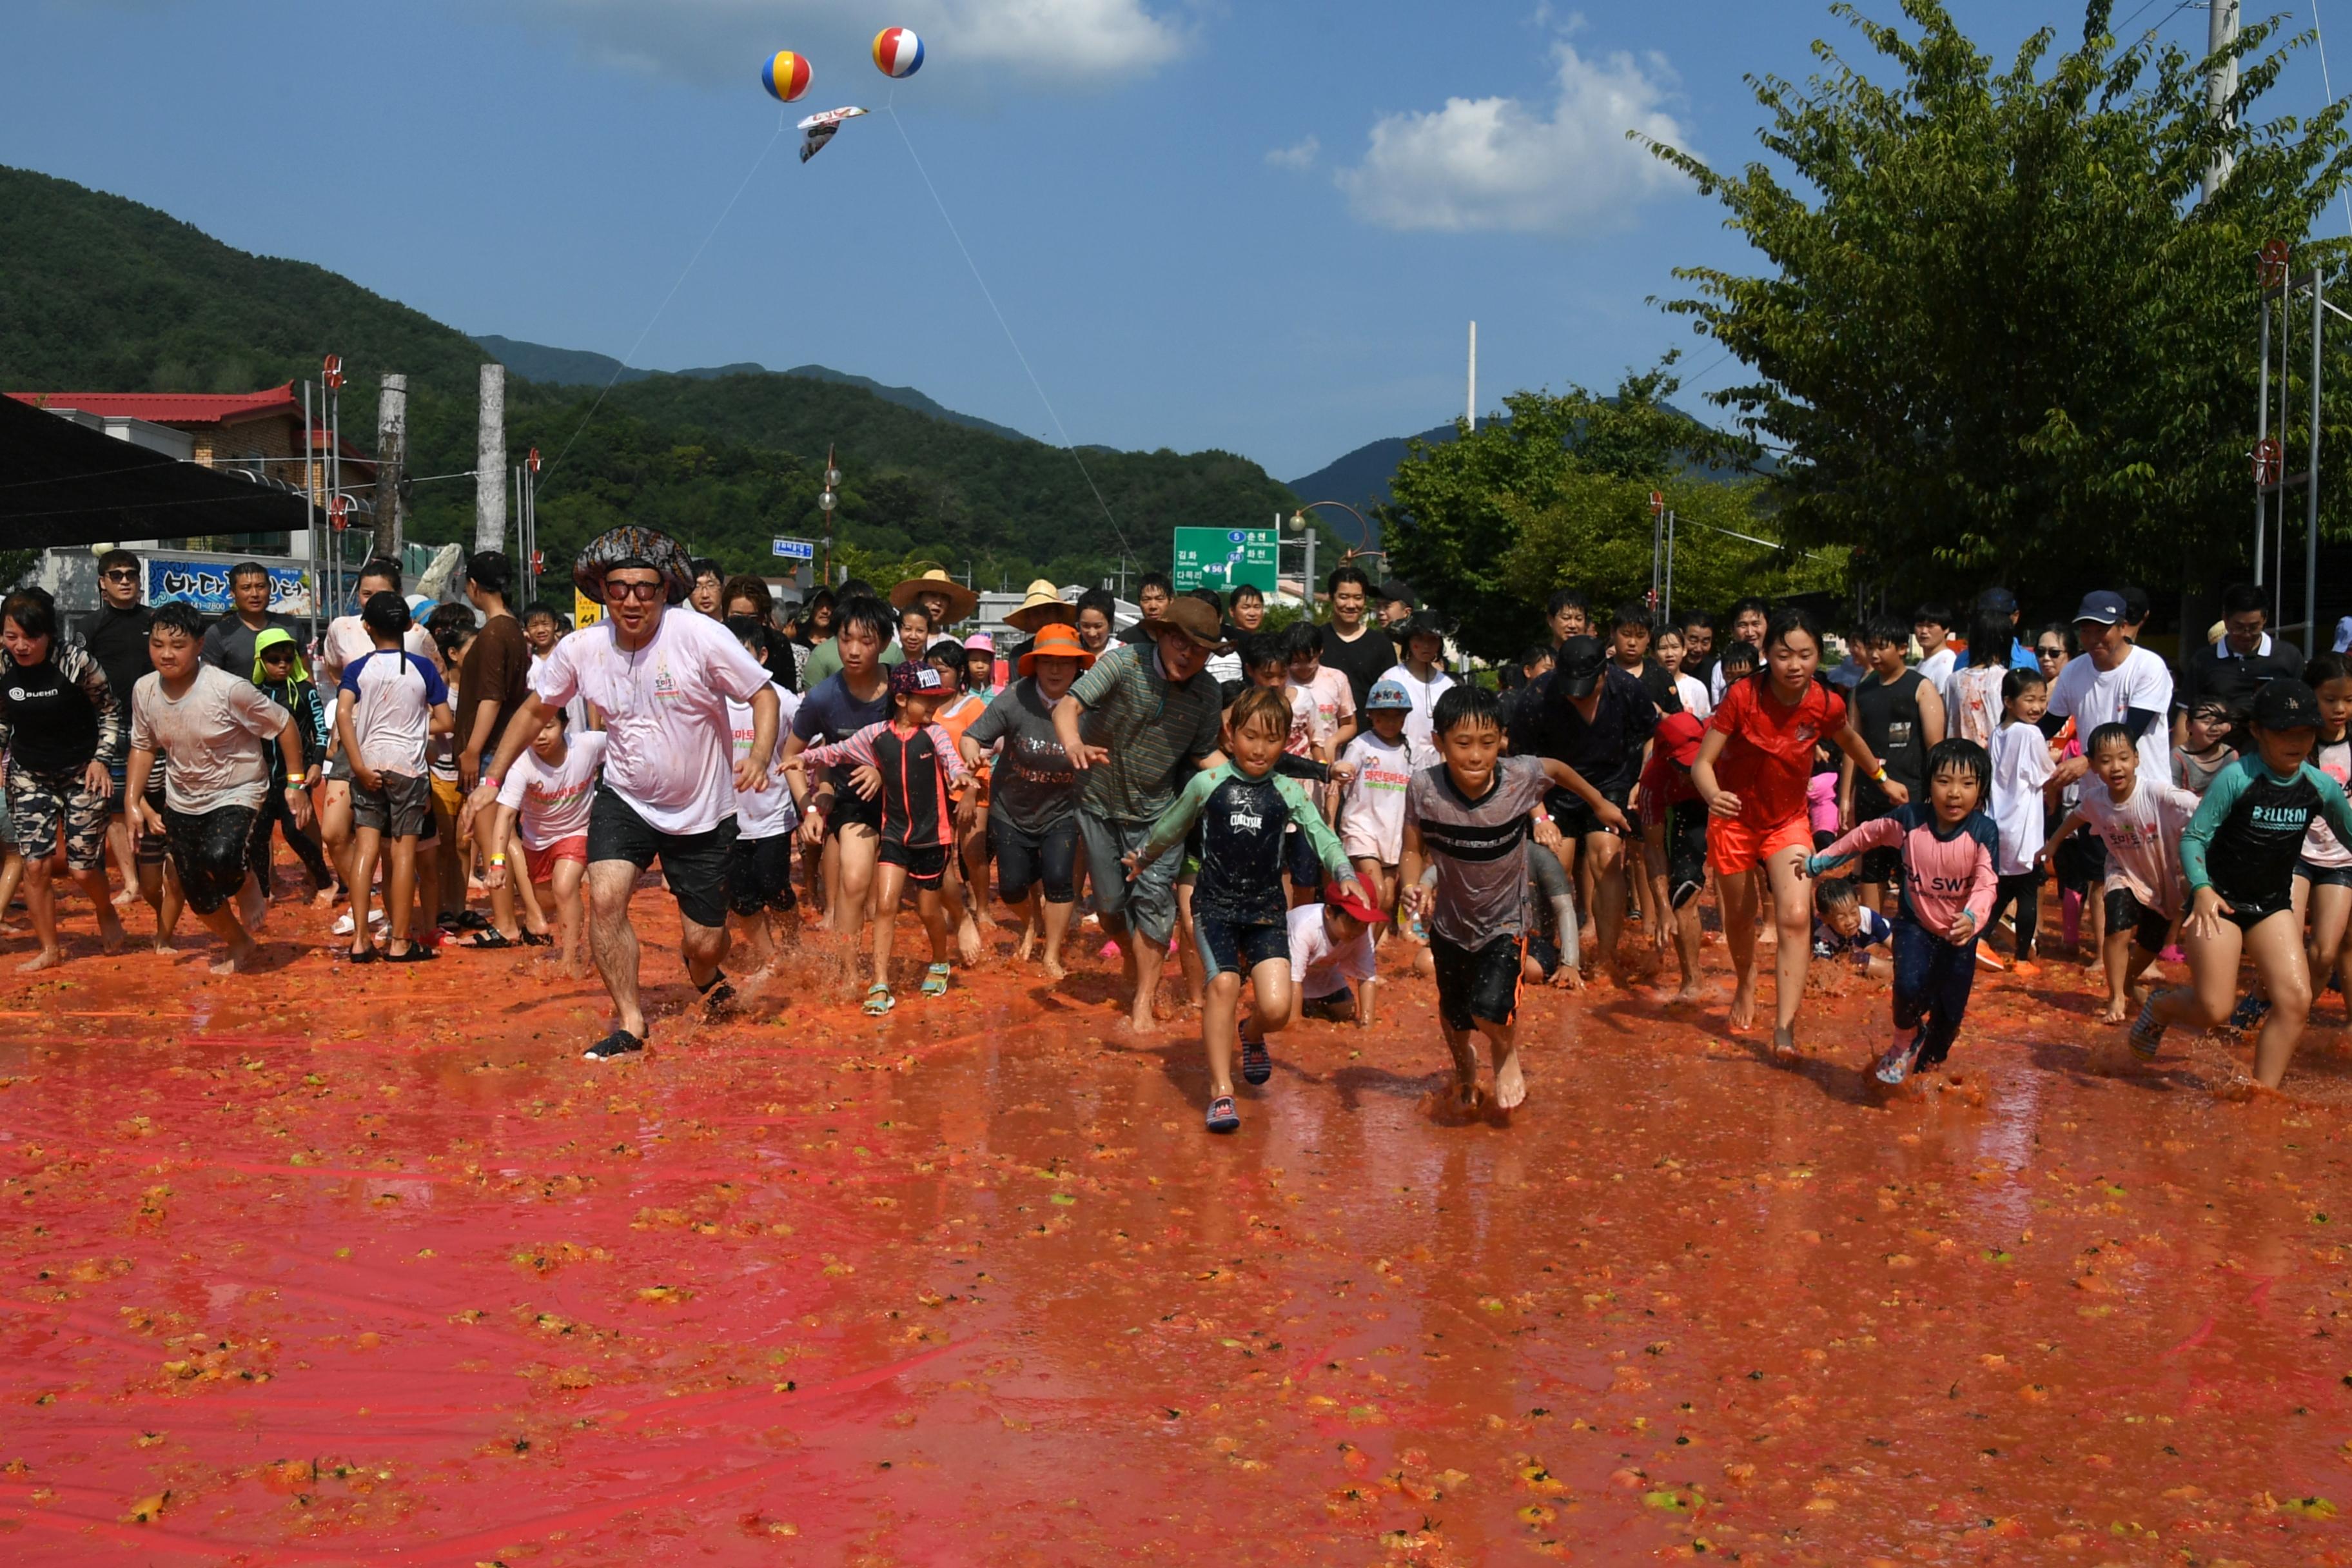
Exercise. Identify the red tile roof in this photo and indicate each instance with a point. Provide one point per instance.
(172, 407)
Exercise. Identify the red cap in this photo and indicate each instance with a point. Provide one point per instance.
(1349, 899)
(1678, 736)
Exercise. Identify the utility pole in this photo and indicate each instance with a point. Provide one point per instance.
(491, 462)
(391, 463)
(1471, 417)
(2220, 33)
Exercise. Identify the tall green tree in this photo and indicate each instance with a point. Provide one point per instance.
(1488, 524)
(2001, 337)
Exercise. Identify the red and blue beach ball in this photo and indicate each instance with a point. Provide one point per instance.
(898, 52)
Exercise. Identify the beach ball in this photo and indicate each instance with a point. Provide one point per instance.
(898, 52)
(786, 77)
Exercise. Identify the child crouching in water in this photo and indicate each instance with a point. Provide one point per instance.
(1240, 915)
(1948, 847)
(1470, 819)
(1844, 928)
(921, 770)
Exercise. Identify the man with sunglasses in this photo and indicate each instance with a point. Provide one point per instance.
(667, 793)
(116, 638)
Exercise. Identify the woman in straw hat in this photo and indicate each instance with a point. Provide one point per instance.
(944, 599)
(1033, 826)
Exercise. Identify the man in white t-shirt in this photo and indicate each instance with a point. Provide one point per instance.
(2114, 682)
(1932, 624)
(662, 681)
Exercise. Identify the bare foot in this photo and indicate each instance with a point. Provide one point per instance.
(1692, 993)
(125, 899)
(1142, 1020)
(1028, 946)
(1743, 1007)
(237, 959)
(48, 958)
(1510, 1085)
(2242, 1088)
(968, 945)
(1784, 1044)
(162, 942)
(252, 905)
(2113, 1013)
(1053, 970)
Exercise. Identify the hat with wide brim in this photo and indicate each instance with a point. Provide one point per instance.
(632, 544)
(1056, 640)
(1192, 619)
(1042, 606)
(961, 601)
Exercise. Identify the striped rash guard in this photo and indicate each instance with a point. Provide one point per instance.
(1943, 873)
(2248, 830)
(920, 770)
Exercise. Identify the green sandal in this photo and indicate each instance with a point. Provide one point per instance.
(878, 1000)
(935, 979)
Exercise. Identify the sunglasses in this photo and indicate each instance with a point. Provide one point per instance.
(643, 592)
(120, 575)
(2047, 652)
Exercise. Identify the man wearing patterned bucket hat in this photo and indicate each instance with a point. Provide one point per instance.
(670, 775)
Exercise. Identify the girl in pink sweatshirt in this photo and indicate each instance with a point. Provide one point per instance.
(1950, 849)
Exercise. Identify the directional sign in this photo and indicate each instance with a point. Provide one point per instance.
(794, 548)
(1226, 558)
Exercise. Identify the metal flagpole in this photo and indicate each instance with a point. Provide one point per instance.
(2311, 476)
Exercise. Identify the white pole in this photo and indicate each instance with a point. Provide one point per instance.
(2220, 32)
(490, 462)
(1470, 417)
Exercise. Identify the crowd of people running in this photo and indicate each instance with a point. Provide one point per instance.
(1270, 808)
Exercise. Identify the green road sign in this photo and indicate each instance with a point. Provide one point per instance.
(1224, 558)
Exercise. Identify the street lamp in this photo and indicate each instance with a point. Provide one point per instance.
(1298, 524)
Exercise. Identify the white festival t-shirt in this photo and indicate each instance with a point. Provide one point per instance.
(768, 813)
(669, 749)
(2142, 839)
(1372, 817)
(1317, 967)
(551, 804)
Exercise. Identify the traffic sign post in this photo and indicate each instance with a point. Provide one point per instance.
(1226, 558)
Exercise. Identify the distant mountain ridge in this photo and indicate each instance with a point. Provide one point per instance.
(584, 367)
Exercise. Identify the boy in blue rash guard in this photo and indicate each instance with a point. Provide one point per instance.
(1240, 916)
(2238, 857)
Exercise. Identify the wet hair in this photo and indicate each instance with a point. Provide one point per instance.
(1988, 638)
(1567, 599)
(1787, 619)
(701, 566)
(2323, 667)
(245, 569)
(2217, 708)
(1099, 600)
(1301, 638)
(1883, 631)
(491, 571)
(1739, 654)
(1159, 580)
(1833, 894)
(864, 611)
(383, 567)
(1935, 612)
(1957, 756)
(1260, 703)
(1466, 704)
(181, 617)
(1630, 615)
(2239, 598)
(2107, 736)
(385, 614)
(1356, 574)
(2018, 682)
(34, 614)
(1265, 650)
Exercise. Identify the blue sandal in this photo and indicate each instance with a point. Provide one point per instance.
(1222, 1117)
(1257, 1062)
(935, 979)
(878, 1000)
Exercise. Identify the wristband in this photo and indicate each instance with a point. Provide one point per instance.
(1880, 776)
(498, 859)
(491, 782)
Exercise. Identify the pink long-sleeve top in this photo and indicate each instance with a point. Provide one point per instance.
(1943, 872)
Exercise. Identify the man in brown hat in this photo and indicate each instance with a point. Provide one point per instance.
(1136, 725)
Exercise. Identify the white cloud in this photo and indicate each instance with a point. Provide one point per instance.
(1299, 155)
(1500, 163)
(978, 43)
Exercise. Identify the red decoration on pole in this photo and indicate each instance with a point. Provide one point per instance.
(2274, 263)
(332, 369)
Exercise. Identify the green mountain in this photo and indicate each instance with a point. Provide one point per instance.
(98, 293)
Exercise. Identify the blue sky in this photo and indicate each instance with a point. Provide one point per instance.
(1259, 227)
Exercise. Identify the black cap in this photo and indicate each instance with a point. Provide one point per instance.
(1997, 602)
(1395, 593)
(1577, 667)
(2285, 704)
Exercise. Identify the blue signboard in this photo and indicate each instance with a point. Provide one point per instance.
(205, 584)
(795, 549)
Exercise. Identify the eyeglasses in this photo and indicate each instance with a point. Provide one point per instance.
(643, 592)
(2047, 652)
(121, 574)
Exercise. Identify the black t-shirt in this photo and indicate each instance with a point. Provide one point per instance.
(1886, 714)
(53, 727)
(1363, 661)
(2237, 679)
(1606, 749)
(1659, 684)
(118, 640)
